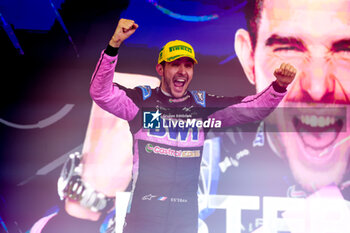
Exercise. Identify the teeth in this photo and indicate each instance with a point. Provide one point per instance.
(322, 122)
(180, 80)
(315, 121)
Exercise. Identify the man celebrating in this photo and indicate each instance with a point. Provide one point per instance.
(167, 159)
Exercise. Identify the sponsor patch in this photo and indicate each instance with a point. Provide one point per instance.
(148, 197)
(199, 97)
(146, 91)
(162, 198)
(149, 148)
(180, 47)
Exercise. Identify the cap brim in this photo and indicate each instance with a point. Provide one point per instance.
(180, 56)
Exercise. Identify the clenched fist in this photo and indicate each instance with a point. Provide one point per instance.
(125, 28)
(285, 74)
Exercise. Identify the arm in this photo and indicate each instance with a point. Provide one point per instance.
(102, 90)
(107, 159)
(252, 108)
(106, 94)
(259, 106)
(107, 151)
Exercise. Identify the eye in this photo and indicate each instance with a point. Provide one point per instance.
(189, 65)
(343, 54)
(345, 50)
(341, 49)
(288, 48)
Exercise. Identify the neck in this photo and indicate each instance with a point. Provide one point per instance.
(171, 96)
(165, 93)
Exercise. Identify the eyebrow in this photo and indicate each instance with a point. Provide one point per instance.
(341, 45)
(275, 39)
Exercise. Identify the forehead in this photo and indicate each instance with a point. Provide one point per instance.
(315, 18)
(182, 60)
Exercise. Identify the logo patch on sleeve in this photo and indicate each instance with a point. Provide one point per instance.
(146, 91)
(199, 97)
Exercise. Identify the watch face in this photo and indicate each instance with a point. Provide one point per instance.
(67, 173)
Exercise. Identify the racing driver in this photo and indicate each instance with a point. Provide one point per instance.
(166, 161)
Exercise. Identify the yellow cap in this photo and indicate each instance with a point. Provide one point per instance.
(174, 50)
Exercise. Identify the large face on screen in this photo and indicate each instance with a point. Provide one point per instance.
(314, 36)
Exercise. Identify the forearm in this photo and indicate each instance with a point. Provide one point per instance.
(252, 108)
(101, 85)
(107, 159)
(269, 98)
(106, 94)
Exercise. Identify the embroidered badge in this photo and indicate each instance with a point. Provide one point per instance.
(146, 91)
(199, 97)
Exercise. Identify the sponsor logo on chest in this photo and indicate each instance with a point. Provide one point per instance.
(149, 148)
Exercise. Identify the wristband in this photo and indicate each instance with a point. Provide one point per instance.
(278, 87)
(111, 51)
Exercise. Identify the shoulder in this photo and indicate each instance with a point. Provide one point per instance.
(146, 91)
(199, 97)
(210, 100)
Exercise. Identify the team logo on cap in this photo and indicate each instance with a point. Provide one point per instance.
(180, 47)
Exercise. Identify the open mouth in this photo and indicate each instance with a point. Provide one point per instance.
(179, 83)
(318, 132)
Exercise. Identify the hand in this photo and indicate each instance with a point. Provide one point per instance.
(125, 28)
(285, 74)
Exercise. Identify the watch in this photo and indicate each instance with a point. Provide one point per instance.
(70, 185)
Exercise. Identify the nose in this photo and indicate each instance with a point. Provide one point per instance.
(182, 69)
(317, 81)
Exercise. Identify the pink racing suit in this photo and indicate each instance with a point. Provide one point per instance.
(167, 159)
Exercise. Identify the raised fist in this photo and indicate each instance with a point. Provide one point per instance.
(285, 74)
(125, 28)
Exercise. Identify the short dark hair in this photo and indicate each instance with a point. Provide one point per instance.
(253, 10)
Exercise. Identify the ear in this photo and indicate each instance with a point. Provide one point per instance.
(245, 54)
(159, 69)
